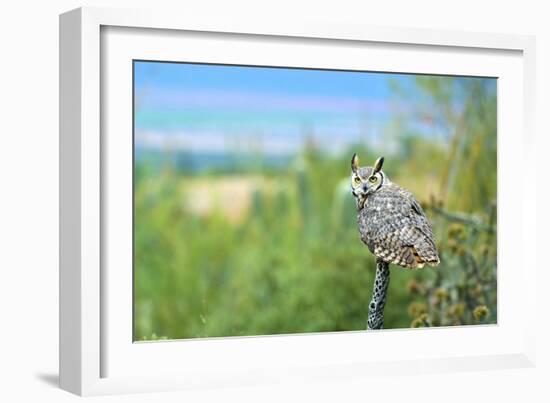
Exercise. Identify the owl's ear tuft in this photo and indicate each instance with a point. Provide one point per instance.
(378, 164)
(354, 163)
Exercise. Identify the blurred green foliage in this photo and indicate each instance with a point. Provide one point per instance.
(291, 260)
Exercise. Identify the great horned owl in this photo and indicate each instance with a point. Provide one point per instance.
(393, 226)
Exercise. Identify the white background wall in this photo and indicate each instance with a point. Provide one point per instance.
(29, 201)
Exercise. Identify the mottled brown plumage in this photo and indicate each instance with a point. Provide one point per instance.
(395, 229)
(391, 222)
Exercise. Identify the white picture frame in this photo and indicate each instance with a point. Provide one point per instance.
(97, 357)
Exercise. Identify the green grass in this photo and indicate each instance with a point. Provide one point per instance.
(294, 263)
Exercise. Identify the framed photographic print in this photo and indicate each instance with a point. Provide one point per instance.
(243, 202)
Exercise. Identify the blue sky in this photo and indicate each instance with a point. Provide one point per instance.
(201, 107)
(261, 79)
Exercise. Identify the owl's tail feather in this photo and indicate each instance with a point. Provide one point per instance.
(420, 261)
(434, 263)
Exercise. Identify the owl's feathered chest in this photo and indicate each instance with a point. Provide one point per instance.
(384, 211)
(394, 227)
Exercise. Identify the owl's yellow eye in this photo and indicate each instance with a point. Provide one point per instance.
(373, 179)
(357, 180)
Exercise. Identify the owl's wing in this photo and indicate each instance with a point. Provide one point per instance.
(424, 244)
(399, 231)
